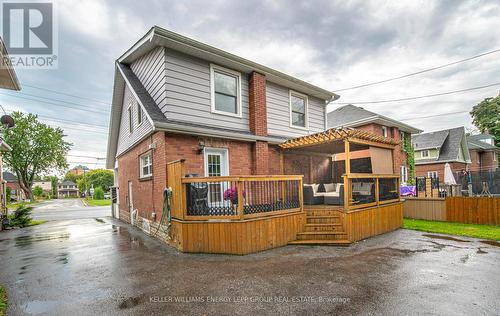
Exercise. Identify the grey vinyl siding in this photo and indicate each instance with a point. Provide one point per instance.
(188, 94)
(278, 113)
(125, 138)
(150, 69)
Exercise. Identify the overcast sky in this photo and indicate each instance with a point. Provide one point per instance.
(333, 44)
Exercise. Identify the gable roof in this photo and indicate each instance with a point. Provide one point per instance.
(9, 176)
(475, 142)
(353, 116)
(448, 142)
(124, 77)
(67, 182)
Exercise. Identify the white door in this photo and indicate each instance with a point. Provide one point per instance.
(216, 165)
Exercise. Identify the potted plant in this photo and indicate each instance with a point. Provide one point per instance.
(231, 195)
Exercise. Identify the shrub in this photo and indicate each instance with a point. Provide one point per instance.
(37, 191)
(98, 194)
(8, 194)
(21, 216)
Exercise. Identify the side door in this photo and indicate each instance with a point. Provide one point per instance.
(216, 165)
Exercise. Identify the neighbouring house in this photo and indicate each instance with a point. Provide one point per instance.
(16, 193)
(67, 189)
(45, 185)
(79, 170)
(483, 153)
(360, 118)
(433, 150)
(245, 150)
(8, 80)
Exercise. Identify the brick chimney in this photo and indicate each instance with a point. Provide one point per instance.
(258, 120)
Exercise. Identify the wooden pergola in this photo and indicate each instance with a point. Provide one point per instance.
(343, 140)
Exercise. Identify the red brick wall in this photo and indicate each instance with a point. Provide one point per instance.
(261, 158)
(147, 194)
(483, 161)
(257, 104)
(298, 164)
(274, 159)
(421, 170)
(392, 132)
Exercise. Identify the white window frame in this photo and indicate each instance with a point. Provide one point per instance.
(494, 156)
(139, 115)
(142, 165)
(130, 119)
(229, 72)
(306, 118)
(215, 150)
(425, 151)
(430, 174)
(385, 131)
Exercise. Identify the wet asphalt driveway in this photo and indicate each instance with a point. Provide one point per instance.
(102, 266)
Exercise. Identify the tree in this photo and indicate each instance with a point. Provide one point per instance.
(8, 194)
(98, 194)
(82, 185)
(37, 191)
(36, 149)
(486, 117)
(72, 177)
(100, 178)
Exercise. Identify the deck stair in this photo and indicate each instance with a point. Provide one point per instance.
(323, 227)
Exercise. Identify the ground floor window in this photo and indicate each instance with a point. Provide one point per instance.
(146, 165)
(432, 174)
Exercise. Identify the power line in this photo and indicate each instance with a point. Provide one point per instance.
(435, 115)
(50, 99)
(419, 72)
(422, 96)
(97, 158)
(61, 105)
(66, 94)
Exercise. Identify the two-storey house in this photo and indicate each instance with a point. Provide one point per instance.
(433, 150)
(483, 153)
(244, 149)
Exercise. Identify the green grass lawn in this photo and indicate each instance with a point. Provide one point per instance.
(35, 222)
(469, 230)
(13, 206)
(98, 202)
(3, 301)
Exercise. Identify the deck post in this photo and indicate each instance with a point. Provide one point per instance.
(377, 191)
(241, 199)
(347, 162)
(301, 194)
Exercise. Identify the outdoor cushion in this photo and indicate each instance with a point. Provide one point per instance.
(330, 187)
(331, 194)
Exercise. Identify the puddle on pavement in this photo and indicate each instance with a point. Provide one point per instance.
(27, 240)
(491, 242)
(464, 259)
(40, 307)
(445, 237)
(129, 302)
(480, 251)
(62, 258)
(100, 220)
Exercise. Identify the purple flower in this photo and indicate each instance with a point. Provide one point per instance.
(232, 195)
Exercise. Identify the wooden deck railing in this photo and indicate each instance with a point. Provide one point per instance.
(365, 190)
(240, 197)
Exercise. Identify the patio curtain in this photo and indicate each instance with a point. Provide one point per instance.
(381, 160)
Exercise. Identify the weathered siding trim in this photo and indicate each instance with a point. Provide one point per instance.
(188, 94)
(278, 113)
(125, 138)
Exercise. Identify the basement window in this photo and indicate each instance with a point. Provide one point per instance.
(226, 91)
(146, 165)
(298, 110)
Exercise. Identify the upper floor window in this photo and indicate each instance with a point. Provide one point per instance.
(384, 131)
(298, 110)
(226, 91)
(139, 114)
(130, 119)
(146, 165)
(424, 153)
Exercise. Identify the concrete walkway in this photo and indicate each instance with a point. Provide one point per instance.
(102, 266)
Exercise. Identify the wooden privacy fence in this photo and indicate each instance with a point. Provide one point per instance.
(468, 210)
